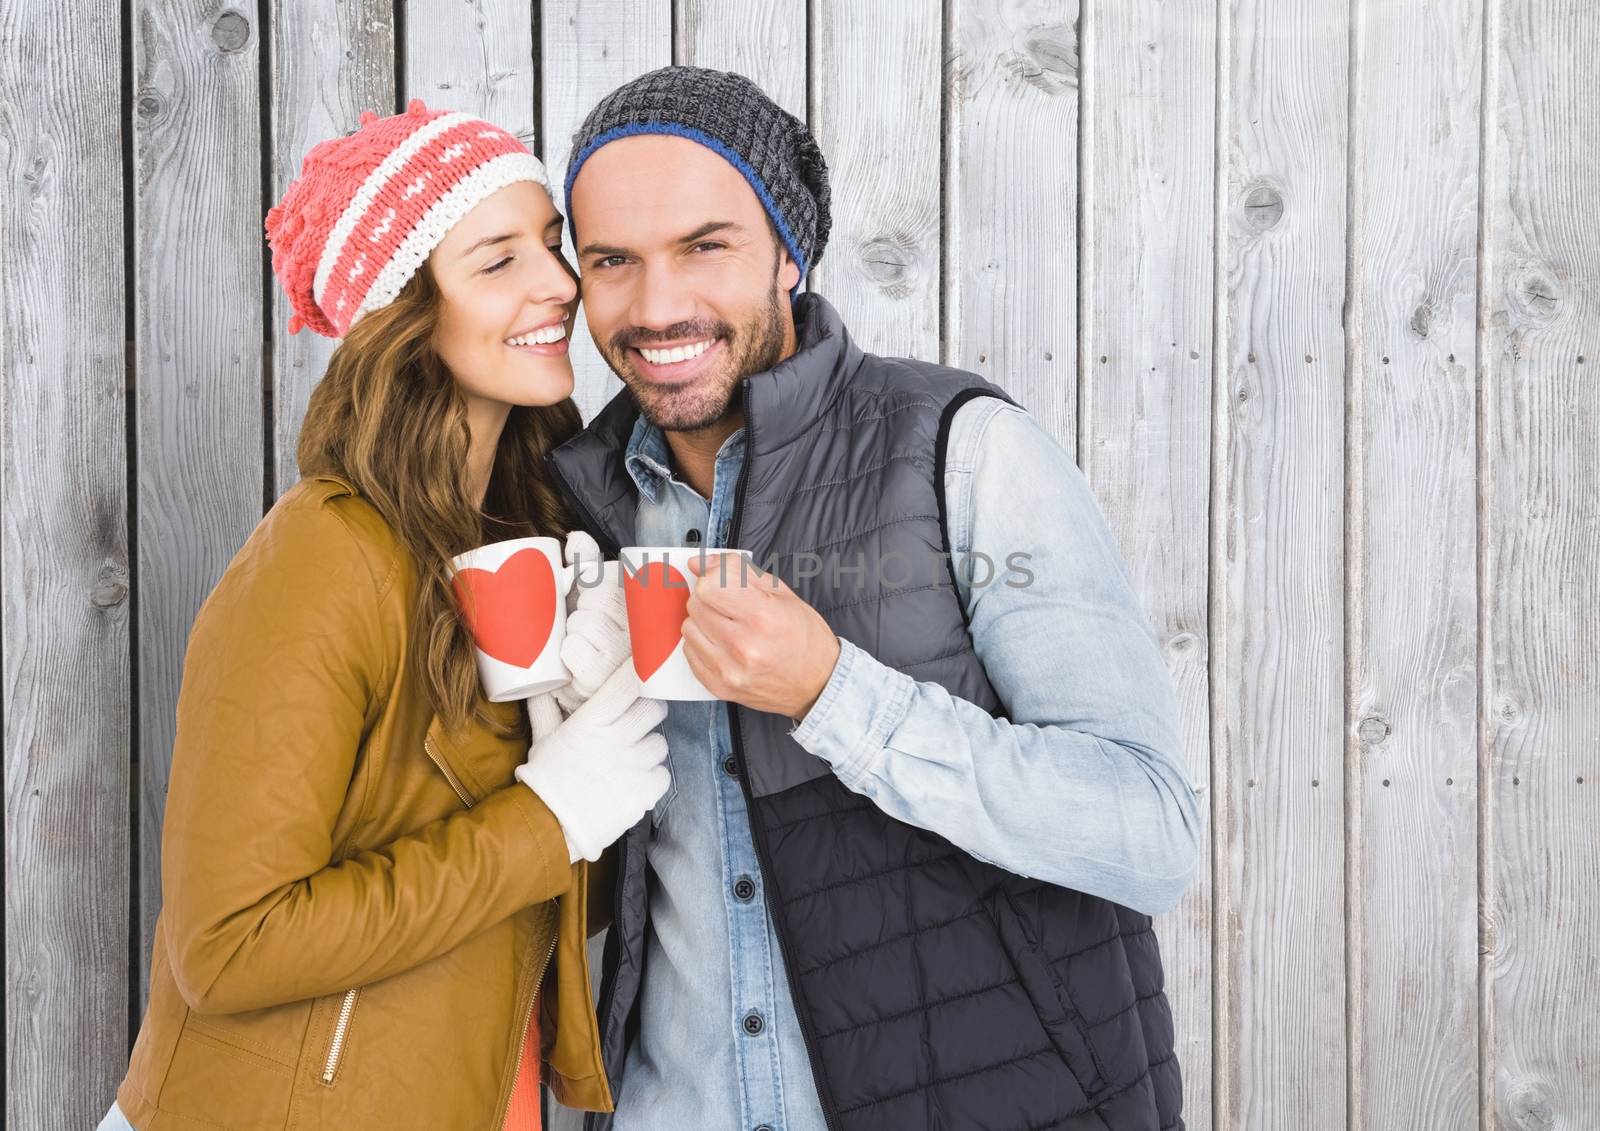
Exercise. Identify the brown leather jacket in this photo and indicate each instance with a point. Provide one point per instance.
(358, 907)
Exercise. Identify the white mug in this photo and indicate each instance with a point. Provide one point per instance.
(656, 583)
(513, 595)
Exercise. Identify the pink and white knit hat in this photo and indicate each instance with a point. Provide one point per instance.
(368, 208)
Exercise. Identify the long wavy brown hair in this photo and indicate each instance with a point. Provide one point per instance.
(387, 416)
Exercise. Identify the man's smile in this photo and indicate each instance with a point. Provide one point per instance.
(674, 365)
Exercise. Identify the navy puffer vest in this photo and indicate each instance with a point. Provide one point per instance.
(935, 991)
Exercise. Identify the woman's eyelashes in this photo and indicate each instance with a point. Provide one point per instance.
(499, 264)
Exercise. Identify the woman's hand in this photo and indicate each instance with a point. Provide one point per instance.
(604, 768)
(596, 642)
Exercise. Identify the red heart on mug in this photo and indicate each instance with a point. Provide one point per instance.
(658, 604)
(510, 610)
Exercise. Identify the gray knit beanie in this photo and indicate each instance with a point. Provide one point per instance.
(733, 117)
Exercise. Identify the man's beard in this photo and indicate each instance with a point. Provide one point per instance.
(711, 398)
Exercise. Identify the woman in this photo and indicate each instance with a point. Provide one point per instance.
(370, 876)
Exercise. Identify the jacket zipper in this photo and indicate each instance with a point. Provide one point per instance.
(527, 1014)
(348, 1005)
(758, 836)
(455, 782)
(336, 1046)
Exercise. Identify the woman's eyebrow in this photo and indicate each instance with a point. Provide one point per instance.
(504, 236)
(487, 240)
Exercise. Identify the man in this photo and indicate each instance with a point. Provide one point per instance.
(904, 873)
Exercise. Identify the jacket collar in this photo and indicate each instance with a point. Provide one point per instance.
(472, 756)
(784, 402)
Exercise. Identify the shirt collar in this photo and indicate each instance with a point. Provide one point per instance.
(649, 459)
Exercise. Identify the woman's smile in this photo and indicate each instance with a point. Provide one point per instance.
(549, 340)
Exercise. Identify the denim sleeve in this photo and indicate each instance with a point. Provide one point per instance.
(1082, 784)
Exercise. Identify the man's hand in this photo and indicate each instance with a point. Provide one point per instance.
(752, 640)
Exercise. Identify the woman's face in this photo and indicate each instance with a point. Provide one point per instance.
(507, 300)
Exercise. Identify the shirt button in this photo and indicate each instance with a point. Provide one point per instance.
(764, 1127)
(753, 1023)
(730, 766)
(693, 536)
(744, 889)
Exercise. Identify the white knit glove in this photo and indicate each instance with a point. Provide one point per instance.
(597, 635)
(602, 769)
(544, 714)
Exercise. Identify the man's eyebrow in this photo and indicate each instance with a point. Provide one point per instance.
(602, 249)
(699, 233)
(706, 229)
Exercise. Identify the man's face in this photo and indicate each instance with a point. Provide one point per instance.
(684, 287)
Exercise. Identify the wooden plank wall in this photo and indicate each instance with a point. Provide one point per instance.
(66, 596)
(197, 424)
(1306, 288)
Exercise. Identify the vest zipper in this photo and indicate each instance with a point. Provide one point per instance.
(824, 1096)
(340, 1028)
(455, 782)
(527, 1014)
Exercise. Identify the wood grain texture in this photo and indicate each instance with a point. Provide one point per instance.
(876, 113)
(1146, 359)
(472, 55)
(588, 49)
(330, 60)
(764, 40)
(1540, 510)
(1411, 585)
(64, 597)
(1011, 201)
(197, 227)
(1277, 567)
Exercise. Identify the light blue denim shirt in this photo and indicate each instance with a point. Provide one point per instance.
(1082, 785)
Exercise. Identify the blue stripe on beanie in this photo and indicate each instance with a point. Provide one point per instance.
(674, 129)
(737, 120)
